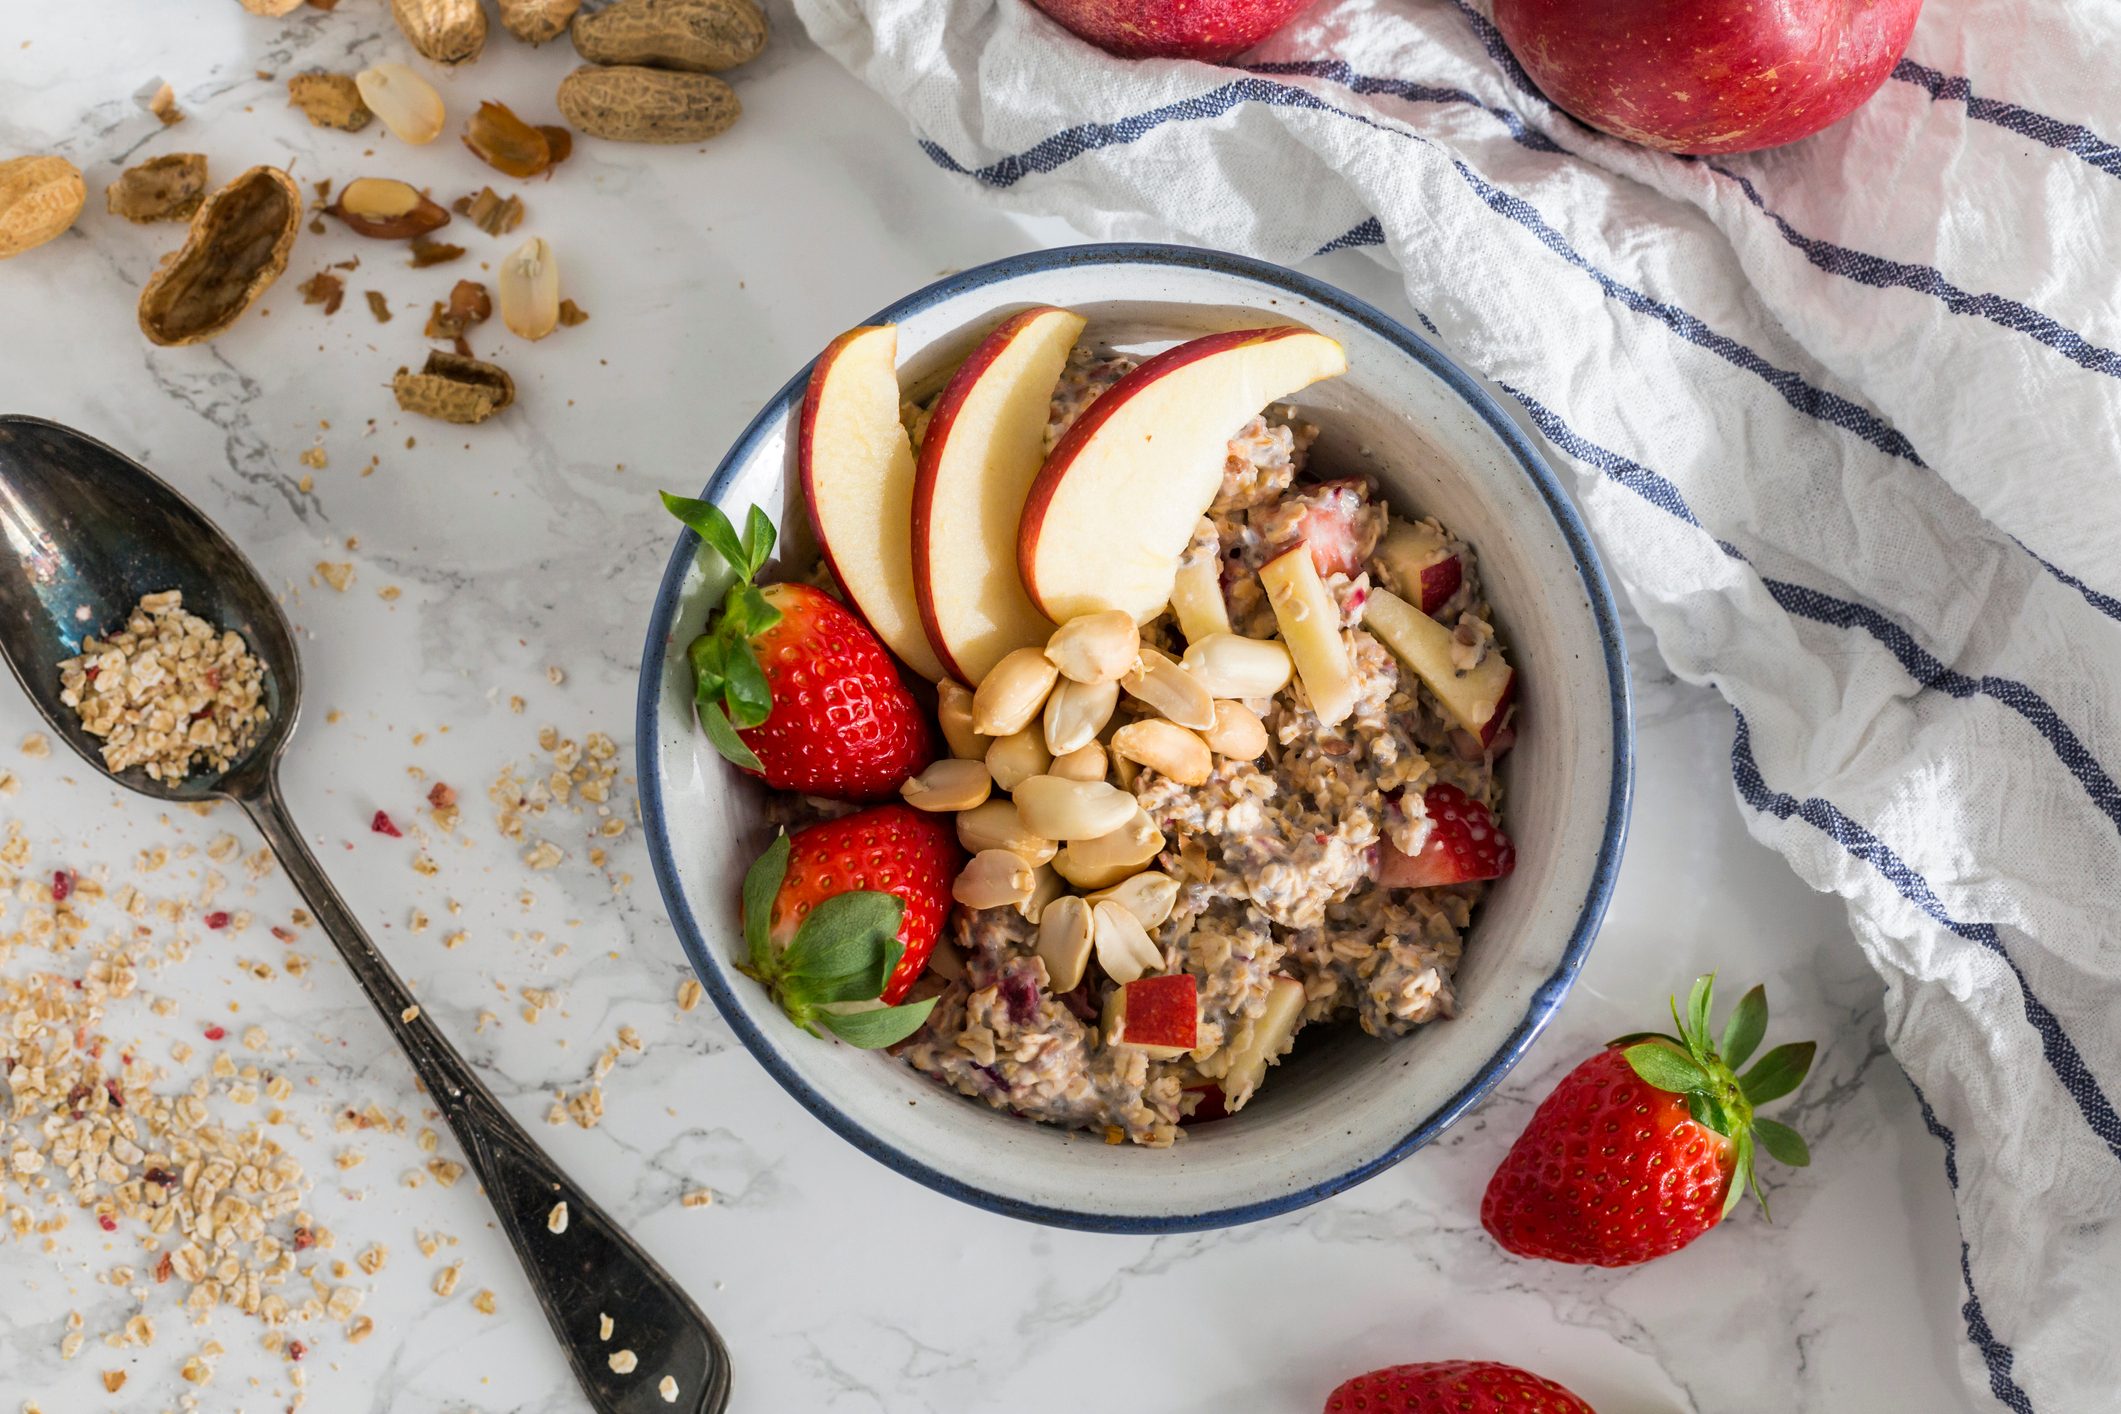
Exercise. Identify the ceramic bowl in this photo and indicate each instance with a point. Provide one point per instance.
(1344, 1106)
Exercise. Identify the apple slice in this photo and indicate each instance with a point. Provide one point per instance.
(1119, 496)
(1422, 562)
(1160, 1015)
(1474, 699)
(1273, 1032)
(1310, 626)
(1197, 586)
(983, 448)
(857, 472)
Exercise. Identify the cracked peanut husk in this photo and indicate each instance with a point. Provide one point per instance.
(237, 246)
(453, 388)
(165, 188)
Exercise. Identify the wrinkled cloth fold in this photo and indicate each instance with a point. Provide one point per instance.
(1845, 419)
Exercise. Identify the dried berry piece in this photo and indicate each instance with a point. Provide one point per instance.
(386, 209)
(528, 288)
(378, 306)
(39, 199)
(426, 252)
(629, 104)
(699, 36)
(329, 101)
(324, 288)
(166, 188)
(504, 142)
(454, 388)
(490, 212)
(408, 104)
(237, 247)
(572, 314)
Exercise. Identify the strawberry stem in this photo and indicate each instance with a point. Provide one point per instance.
(727, 682)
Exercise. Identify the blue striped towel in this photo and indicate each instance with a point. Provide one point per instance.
(1845, 419)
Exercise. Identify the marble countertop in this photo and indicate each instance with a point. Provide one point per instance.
(522, 556)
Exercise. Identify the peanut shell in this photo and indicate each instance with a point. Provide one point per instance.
(535, 21)
(446, 31)
(628, 104)
(694, 36)
(39, 199)
(271, 9)
(165, 188)
(329, 101)
(454, 388)
(237, 247)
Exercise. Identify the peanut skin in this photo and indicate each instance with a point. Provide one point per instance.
(629, 104)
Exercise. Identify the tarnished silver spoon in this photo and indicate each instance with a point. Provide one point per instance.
(88, 531)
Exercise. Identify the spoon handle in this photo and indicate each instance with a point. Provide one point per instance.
(589, 1270)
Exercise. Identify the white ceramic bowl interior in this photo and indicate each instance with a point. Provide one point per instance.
(1345, 1105)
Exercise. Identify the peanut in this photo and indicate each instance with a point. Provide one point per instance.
(1123, 946)
(1061, 809)
(386, 209)
(409, 105)
(1100, 647)
(527, 289)
(1046, 886)
(631, 104)
(1238, 732)
(454, 389)
(237, 246)
(39, 199)
(1065, 931)
(1077, 712)
(446, 31)
(995, 878)
(165, 188)
(1085, 763)
(1017, 757)
(697, 36)
(271, 9)
(1012, 692)
(1112, 857)
(1166, 748)
(1230, 666)
(948, 784)
(535, 21)
(1171, 690)
(953, 708)
(996, 825)
(1149, 897)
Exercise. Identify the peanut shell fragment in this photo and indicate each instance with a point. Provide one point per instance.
(165, 188)
(504, 142)
(535, 21)
(454, 388)
(39, 199)
(386, 209)
(490, 212)
(693, 36)
(629, 104)
(271, 9)
(446, 31)
(329, 101)
(237, 247)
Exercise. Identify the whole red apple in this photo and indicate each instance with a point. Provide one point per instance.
(1708, 76)
(1173, 29)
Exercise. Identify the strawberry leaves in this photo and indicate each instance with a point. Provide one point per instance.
(840, 956)
(727, 681)
(1693, 1065)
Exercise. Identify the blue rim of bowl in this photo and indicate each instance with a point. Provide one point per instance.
(1545, 999)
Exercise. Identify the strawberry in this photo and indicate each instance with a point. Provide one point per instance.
(1648, 1144)
(1463, 846)
(791, 686)
(1453, 1387)
(849, 910)
(1331, 526)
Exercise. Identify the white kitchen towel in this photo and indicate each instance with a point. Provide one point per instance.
(1845, 419)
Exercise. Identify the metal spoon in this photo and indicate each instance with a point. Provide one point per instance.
(88, 531)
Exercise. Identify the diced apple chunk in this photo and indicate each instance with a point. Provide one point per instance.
(1421, 562)
(1310, 626)
(1474, 699)
(1159, 1015)
(1197, 592)
(1273, 1032)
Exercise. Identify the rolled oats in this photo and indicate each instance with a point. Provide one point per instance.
(167, 692)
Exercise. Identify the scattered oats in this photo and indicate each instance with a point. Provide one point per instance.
(359, 1329)
(344, 1301)
(306, 483)
(604, 1326)
(668, 1388)
(409, 1015)
(623, 1362)
(544, 855)
(516, 705)
(372, 1258)
(689, 993)
(586, 1107)
(696, 1198)
(36, 746)
(315, 457)
(349, 1159)
(389, 593)
(423, 864)
(556, 1220)
(446, 1171)
(429, 1141)
(8, 784)
(446, 1279)
(630, 1038)
(195, 1371)
(338, 576)
(166, 691)
(455, 940)
(483, 1303)
(70, 1344)
(113, 1381)
(418, 922)
(555, 674)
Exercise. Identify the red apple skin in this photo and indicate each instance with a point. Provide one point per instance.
(1708, 76)
(1502, 712)
(1173, 29)
(932, 441)
(1162, 1011)
(1040, 498)
(806, 428)
(1439, 582)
